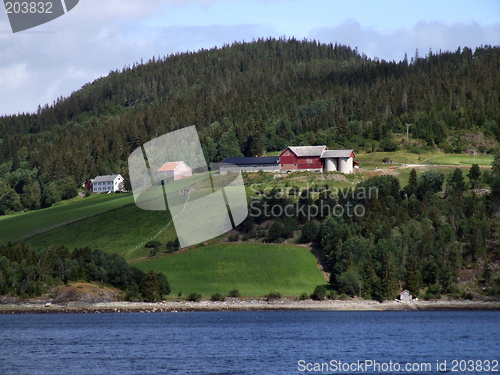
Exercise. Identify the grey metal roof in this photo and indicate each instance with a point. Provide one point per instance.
(307, 150)
(252, 160)
(336, 153)
(109, 177)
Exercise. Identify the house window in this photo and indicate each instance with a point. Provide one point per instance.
(308, 165)
(300, 165)
(281, 164)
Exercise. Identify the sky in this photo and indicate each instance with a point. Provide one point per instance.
(50, 61)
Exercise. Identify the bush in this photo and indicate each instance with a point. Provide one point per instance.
(388, 145)
(343, 296)
(333, 294)
(319, 293)
(153, 244)
(234, 293)
(194, 297)
(433, 292)
(309, 232)
(217, 297)
(273, 295)
(172, 246)
(233, 237)
(303, 297)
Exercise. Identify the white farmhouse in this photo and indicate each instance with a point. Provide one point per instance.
(108, 183)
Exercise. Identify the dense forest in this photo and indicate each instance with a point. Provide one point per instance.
(414, 237)
(25, 272)
(247, 99)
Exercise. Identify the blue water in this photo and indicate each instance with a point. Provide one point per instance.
(269, 342)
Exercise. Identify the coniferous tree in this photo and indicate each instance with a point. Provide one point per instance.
(151, 288)
(474, 175)
(412, 277)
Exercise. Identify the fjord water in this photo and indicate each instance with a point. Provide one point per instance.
(262, 342)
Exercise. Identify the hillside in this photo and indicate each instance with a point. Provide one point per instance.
(253, 269)
(248, 98)
(433, 228)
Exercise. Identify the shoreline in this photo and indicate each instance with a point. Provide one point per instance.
(237, 304)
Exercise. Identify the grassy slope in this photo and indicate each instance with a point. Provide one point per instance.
(427, 158)
(118, 231)
(24, 225)
(254, 269)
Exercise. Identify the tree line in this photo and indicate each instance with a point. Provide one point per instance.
(247, 99)
(27, 273)
(415, 237)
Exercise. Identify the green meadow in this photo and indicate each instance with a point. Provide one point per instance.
(437, 158)
(123, 231)
(254, 269)
(21, 226)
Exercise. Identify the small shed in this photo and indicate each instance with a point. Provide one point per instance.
(175, 171)
(405, 295)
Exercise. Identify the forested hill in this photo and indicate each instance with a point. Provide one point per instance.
(247, 98)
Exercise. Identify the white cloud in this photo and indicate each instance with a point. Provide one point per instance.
(37, 66)
(392, 44)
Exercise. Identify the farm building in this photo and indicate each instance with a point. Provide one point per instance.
(306, 158)
(405, 295)
(106, 184)
(317, 158)
(250, 164)
(338, 160)
(173, 171)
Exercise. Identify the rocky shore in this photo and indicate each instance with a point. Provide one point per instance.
(243, 304)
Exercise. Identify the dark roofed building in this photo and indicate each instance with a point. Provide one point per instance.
(250, 164)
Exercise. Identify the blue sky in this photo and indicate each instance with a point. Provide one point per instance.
(39, 65)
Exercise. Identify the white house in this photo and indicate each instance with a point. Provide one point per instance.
(405, 295)
(175, 170)
(108, 183)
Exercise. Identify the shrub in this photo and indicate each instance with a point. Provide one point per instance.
(343, 296)
(303, 296)
(433, 292)
(194, 297)
(333, 294)
(233, 237)
(309, 232)
(319, 293)
(154, 244)
(172, 245)
(235, 293)
(273, 295)
(217, 297)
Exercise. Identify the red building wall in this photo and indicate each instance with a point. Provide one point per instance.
(288, 161)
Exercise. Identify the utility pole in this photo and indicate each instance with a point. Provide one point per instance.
(407, 127)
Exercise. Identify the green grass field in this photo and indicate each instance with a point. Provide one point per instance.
(122, 231)
(253, 269)
(20, 226)
(402, 157)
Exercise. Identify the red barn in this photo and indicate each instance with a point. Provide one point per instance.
(302, 158)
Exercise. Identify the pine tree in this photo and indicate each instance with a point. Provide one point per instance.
(456, 181)
(474, 175)
(151, 287)
(389, 281)
(412, 277)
